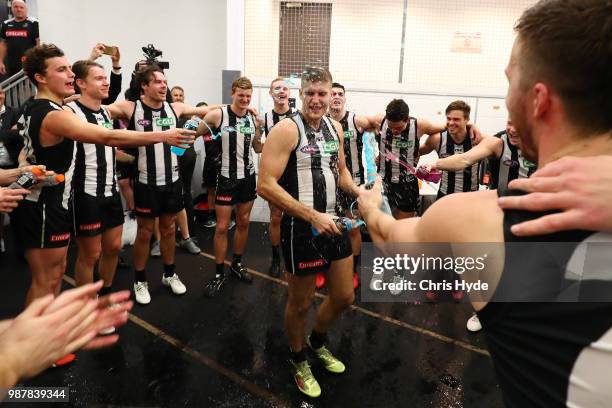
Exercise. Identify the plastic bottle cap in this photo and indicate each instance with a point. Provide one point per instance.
(60, 178)
(37, 171)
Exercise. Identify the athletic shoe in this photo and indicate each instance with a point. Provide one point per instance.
(431, 296)
(189, 245)
(473, 324)
(214, 286)
(355, 280)
(107, 331)
(241, 272)
(275, 268)
(155, 249)
(331, 363)
(232, 224)
(457, 295)
(305, 381)
(320, 280)
(67, 359)
(141, 293)
(210, 223)
(175, 284)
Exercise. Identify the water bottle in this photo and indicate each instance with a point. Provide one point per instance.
(344, 224)
(369, 158)
(191, 124)
(32, 178)
(432, 176)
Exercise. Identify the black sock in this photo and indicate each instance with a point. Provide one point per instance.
(212, 215)
(237, 259)
(317, 340)
(298, 357)
(140, 276)
(275, 252)
(219, 270)
(105, 291)
(357, 263)
(169, 270)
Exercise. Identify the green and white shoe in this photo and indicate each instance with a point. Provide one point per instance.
(305, 381)
(331, 363)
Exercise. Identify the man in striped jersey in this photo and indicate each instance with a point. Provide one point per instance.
(399, 143)
(548, 349)
(157, 189)
(301, 170)
(353, 127)
(454, 140)
(49, 132)
(238, 130)
(280, 93)
(96, 204)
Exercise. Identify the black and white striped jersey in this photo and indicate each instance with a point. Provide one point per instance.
(456, 181)
(157, 166)
(509, 166)
(57, 158)
(353, 148)
(271, 118)
(311, 175)
(94, 164)
(554, 353)
(237, 133)
(404, 146)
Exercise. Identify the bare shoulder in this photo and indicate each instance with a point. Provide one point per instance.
(463, 217)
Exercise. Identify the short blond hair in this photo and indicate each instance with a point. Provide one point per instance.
(242, 83)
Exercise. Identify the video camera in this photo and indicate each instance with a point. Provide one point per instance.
(151, 54)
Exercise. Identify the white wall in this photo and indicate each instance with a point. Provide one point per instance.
(191, 36)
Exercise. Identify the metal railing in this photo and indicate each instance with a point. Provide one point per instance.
(18, 89)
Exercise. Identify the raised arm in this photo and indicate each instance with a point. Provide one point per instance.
(489, 147)
(212, 120)
(121, 110)
(280, 143)
(66, 124)
(431, 144)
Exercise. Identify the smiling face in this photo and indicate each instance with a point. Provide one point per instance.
(241, 98)
(456, 122)
(280, 92)
(58, 77)
(315, 98)
(157, 87)
(96, 84)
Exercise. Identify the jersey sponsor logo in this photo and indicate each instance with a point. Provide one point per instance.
(459, 150)
(90, 227)
(510, 163)
(403, 144)
(311, 264)
(349, 134)
(224, 198)
(528, 165)
(246, 130)
(143, 210)
(143, 122)
(60, 237)
(330, 147)
(310, 149)
(17, 33)
(165, 122)
(108, 125)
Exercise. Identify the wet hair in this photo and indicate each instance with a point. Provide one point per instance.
(35, 59)
(567, 44)
(460, 106)
(397, 111)
(316, 74)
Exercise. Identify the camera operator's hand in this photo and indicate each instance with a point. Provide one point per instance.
(9, 198)
(179, 137)
(97, 52)
(324, 224)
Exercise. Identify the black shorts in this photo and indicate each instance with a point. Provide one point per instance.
(153, 201)
(404, 195)
(211, 171)
(305, 254)
(92, 216)
(42, 225)
(238, 191)
(126, 170)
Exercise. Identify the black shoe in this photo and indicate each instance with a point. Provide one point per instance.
(275, 268)
(241, 272)
(214, 286)
(121, 264)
